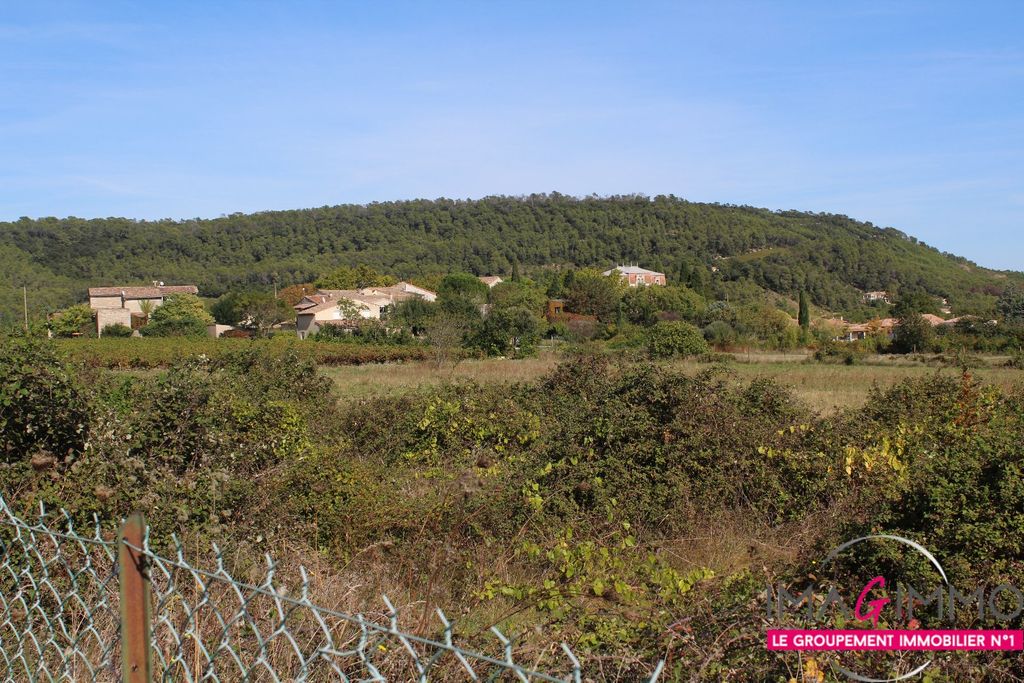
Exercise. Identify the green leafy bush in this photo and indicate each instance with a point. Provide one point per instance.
(176, 327)
(116, 330)
(512, 331)
(72, 321)
(367, 332)
(675, 338)
(720, 333)
(42, 406)
(180, 315)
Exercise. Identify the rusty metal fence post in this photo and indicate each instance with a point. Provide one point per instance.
(136, 624)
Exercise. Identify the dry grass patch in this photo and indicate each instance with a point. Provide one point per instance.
(366, 381)
(826, 388)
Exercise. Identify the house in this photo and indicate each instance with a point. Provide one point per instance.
(857, 331)
(490, 280)
(403, 291)
(869, 297)
(555, 313)
(333, 305)
(636, 276)
(886, 326)
(347, 307)
(933, 319)
(129, 306)
(554, 309)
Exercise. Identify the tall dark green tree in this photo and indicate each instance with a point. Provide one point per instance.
(1010, 305)
(804, 317)
(592, 293)
(912, 334)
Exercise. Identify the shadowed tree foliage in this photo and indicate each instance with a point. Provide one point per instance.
(912, 333)
(592, 293)
(1011, 305)
(72, 321)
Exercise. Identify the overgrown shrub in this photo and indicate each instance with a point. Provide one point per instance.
(189, 445)
(43, 411)
(577, 501)
(73, 321)
(366, 332)
(116, 330)
(847, 353)
(720, 333)
(675, 338)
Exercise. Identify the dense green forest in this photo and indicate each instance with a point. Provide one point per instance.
(728, 251)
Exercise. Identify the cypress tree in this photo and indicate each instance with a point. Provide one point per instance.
(805, 312)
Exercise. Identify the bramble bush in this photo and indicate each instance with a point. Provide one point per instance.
(42, 405)
(576, 501)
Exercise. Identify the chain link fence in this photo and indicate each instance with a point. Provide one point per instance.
(71, 600)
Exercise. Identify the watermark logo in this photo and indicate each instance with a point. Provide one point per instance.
(880, 600)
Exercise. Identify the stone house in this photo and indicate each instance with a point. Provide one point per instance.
(125, 305)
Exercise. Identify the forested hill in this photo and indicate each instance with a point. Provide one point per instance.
(833, 257)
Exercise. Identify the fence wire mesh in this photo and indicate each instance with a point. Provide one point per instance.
(58, 600)
(59, 621)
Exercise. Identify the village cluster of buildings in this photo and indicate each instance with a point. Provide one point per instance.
(886, 327)
(345, 308)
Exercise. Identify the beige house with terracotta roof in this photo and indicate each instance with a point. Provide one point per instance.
(118, 305)
(887, 326)
(345, 307)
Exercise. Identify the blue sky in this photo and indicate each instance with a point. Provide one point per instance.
(909, 114)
